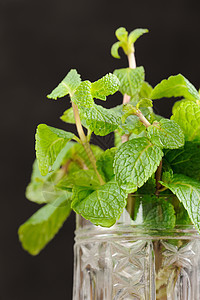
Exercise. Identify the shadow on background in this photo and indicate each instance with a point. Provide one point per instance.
(40, 42)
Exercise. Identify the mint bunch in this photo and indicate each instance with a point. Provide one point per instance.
(152, 155)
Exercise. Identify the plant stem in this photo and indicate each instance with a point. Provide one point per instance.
(158, 177)
(131, 60)
(84, 141)
(126, 98)
(142, 118)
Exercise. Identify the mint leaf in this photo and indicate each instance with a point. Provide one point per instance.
(185, 160)
(105, 164)
(187, 115)
(86, 178)
(135, 34)
(188, 192)
(144, 102)
(175, 86)
(49, 143)
(83, 96)
(166, 134)
(107, 85)
(79, 159)
(102, 207)
(136, 161)
(68, 116)
(131, 80)
(100, 120)
(122, 34)
(128, 110)
(67, 86)
(34, 190)
(157, 213)
(37, 231)
(148, 188)
(146, 90)
(115, 48)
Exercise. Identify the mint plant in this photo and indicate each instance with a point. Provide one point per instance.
(152, 155)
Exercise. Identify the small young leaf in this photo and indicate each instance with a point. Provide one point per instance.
(102, 207)
(105, 164)
(37, 231)
(135, 34)
(68, 116)
(136, 161)
(187, 115)
(131, 80)
(83, 95)
(144, 102)
(49, 143)
(107, 85)
(121, 34)
(185, 160)
(166, 134)
(167, 176)
(128, 110)
(188, 192)
(86, 178)
(175, 86)
(115, 48)
(146, 90)
(100, 120)
(67, 86)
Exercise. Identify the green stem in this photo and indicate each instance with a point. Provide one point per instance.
(142, 118)
(158, 177)
(84, 141)
(126, 98)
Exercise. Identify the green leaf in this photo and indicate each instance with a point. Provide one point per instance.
(105, 164)
(187, 115)
(34, 190)
(114, 49)
(68, 116)
(67, 86)
(136, 161)
(188, 192)
(107, 85)
(175, 86)
(131, 80)
(79, 159)
(144, 103)
(49, 143)
(157, 212)
(102, 207)
(128, 110)
(83, 95)
(185, 160)
(37, 231)
(121, 34)
(167, 176)
(148, 188)
(100, 120)
(86, 178)
(166, 134)
(146, 90)
(135, 34)
(176, 104)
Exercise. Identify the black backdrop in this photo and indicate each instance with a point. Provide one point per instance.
(39, 42)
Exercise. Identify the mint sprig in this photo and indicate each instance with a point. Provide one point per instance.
(152, 155)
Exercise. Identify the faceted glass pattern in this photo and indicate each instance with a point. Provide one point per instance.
(129, 262)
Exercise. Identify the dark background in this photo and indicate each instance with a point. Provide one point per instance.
(40, 41)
